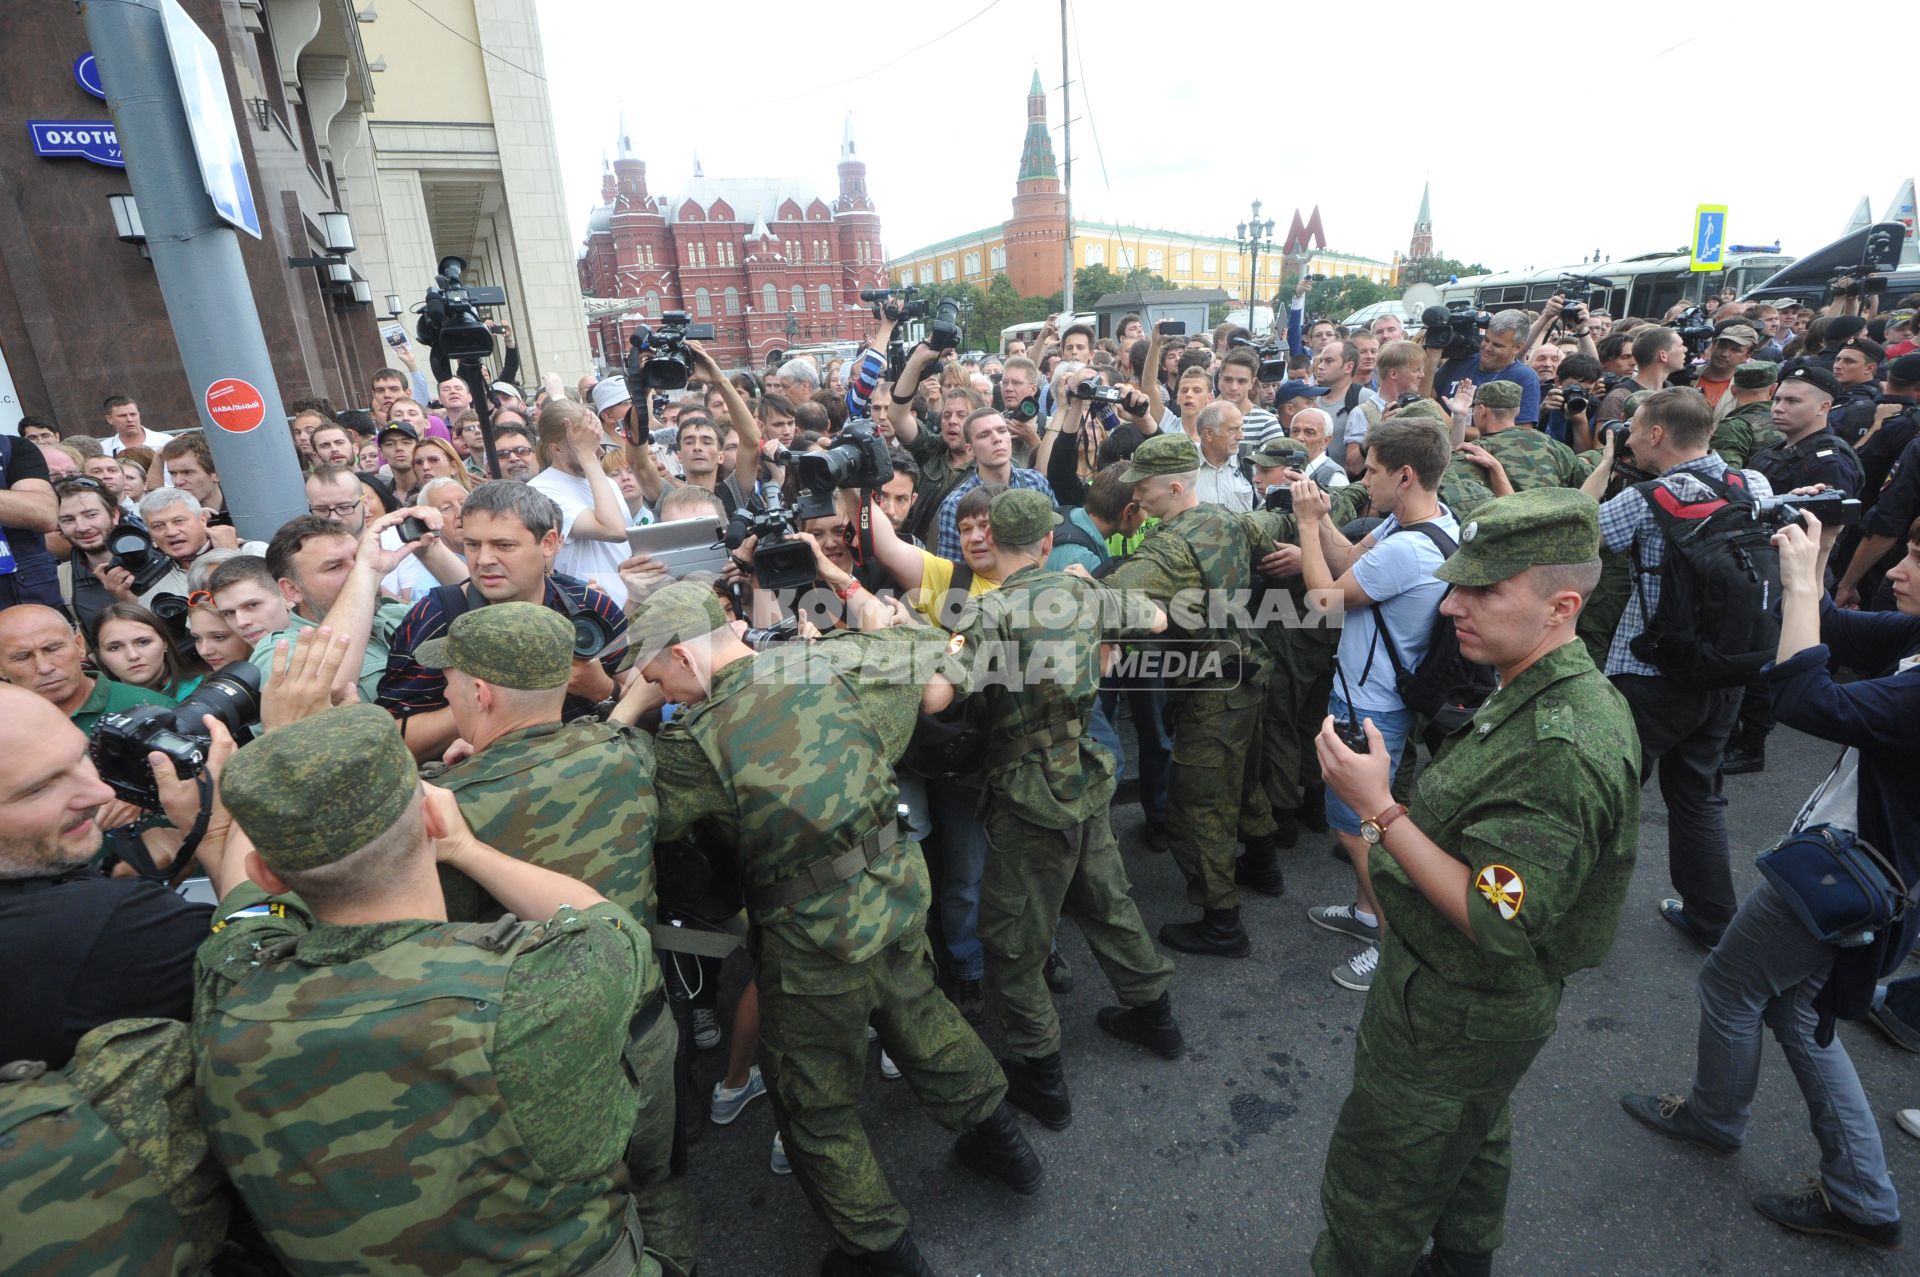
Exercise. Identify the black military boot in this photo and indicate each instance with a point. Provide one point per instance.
(1038, 1084)
(1288, 833)
(1313, 809)
(1258, 868)
(1441, 1262)
(902, 1259)
(1151, 1026)
(1217, 934)
(997, 1148)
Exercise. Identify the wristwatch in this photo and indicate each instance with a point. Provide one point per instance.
(1376, 829)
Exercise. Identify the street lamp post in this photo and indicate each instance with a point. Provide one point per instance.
(1251, 236)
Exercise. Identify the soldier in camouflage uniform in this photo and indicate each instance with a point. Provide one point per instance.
(1522, 834)
(1749, 427)
(576, 798)
(104, 1167)
(1049, 840)
(1213, 703)
(399, 1095)
(1530, 457)
(1302, 677)
(788, 755)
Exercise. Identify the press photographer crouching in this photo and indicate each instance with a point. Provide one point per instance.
(1792, 960)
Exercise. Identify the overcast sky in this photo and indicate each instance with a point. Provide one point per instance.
(1673, 106)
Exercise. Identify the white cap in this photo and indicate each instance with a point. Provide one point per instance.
(610, 392)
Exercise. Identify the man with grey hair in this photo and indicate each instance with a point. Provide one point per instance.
(177, 522)
(509, 533)
(800, 380)
(1312, 428)
(1220, 481)
(1498, 359)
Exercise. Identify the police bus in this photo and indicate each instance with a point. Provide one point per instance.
(1646, 286)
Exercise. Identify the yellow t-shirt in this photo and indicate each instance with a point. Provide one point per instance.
(936, 578)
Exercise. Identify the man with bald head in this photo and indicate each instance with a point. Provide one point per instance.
(42, 653)
(99, 948)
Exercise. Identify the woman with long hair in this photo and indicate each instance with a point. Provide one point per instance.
(438, 459)
(215, 641)
(134, 646)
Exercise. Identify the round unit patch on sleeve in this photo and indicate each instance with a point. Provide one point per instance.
(1503, 889)
(956, 644)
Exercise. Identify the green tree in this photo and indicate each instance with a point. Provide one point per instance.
(1436, 270)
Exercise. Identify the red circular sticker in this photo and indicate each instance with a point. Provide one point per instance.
(235, 405)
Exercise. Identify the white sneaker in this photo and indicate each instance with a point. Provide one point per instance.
(888, 1069)
(1356, 973)
(873, 1034)
(1908, 1120)
(779, 1161)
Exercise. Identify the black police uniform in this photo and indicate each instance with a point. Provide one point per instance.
(1878, 453)
(1852, 416)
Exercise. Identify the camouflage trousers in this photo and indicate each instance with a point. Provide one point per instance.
(1033, 873)
(1214, 794)
(1295, 706)
(1423, 1145)
(669, 1219)
(814, 1011)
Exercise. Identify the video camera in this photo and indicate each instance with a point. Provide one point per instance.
(1879, 252)
(1273, 359)
(669, 366)
(909, 306)
(450, 319)
(1094, 392)
(1695, 328)
(1454, 329)
(1833, 509)
(857, 458)
(121, 740)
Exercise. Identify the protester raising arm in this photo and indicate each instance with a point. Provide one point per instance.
(906, 426)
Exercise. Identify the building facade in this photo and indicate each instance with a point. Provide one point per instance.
(1028, 248)
(769, 262)
(430, 147)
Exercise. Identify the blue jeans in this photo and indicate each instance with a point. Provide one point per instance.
(963, 860)
(1394, 725)
(1766, 971)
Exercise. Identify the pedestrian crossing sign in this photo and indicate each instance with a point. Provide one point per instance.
(1709, 238)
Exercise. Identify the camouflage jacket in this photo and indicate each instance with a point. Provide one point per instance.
(576, 798)
(1462, 490)
(1745, 431)
(1540, 796)
(104, 1167)
(1033, 649)
(1190, 565)
(790, 760)
(402, 1098)
(1531, 458)
(1266, 530)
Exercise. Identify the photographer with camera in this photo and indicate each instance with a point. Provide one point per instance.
(1683, 710)
(943, 454)
(180, 530)
(1496, 359)
(1084, 428)
(702, 464)
(511, 534)
(1658, 353)
(90, 579)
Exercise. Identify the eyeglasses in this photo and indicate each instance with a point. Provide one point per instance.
(81, 481)
(199, 598)
(340, 511)
(518, 454)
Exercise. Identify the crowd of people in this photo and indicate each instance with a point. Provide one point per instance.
(472, 801)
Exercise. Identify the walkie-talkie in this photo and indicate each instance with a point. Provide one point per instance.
(1351, 734)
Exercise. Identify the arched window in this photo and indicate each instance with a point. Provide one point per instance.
(732, 299)
(652, 303)
(702, 303)
(799, 299)
(826, 299)
(770, 299)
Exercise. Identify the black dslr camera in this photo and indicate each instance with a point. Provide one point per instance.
(1454, 330)
(669, 367)
(1578, 290)
(450, 319)
(943, 328)
(779, 561)
(122, 740)
(131, 548)
(1574, 399)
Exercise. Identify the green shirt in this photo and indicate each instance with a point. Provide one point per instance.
(1540, 797)
(387, 616)
(109, 697)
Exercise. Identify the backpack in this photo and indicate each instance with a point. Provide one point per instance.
(1445, 688)
(951, 745)
(1714, 625)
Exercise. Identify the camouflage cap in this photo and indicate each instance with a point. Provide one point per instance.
(1021, 516)
(1508, 535)
(1755, 374)
(673, 614)
(1498, 394)
(1170, 452)
(1280, 451)
(1423, 410)
(318, 790)
(1634, 401)
(1740, 334)
(520, 645)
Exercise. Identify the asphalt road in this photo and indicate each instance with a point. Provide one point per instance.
(1211, 1165)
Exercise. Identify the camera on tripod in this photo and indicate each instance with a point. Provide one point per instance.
(668, 366)
(450, 319)
(121, 740)
(1454, 329)
(857, 458)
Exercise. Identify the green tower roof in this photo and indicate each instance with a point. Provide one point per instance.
(1037, 89)
(1426, 217)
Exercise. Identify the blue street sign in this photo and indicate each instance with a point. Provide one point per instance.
(93, 140)
(1709, 237)
(216, 143)
(86, 73)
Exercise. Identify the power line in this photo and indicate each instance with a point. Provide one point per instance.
(864, 75)
(434, 18)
